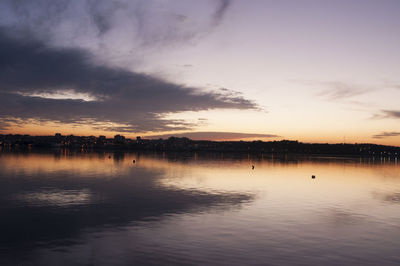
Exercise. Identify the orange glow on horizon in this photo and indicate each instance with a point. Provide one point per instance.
(50, 128)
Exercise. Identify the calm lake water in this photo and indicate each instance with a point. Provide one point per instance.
(74, 208)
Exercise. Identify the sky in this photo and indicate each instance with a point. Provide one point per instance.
(307, 70)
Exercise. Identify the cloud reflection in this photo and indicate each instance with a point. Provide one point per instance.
(339, 217)
(55, 198)
(50, 207)
(388, 197)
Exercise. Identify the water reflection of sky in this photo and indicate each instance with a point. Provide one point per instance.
(103, 209)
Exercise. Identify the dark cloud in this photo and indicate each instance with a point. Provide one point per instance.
(386, 114)
(215, 135)
(386, 135)
(137, 101)
(391, 113)
(33, 69)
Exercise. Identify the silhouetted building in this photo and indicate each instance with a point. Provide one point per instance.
(119, 139)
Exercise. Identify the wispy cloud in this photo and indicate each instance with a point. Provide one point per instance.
(222, 8)
(395, 114)
(213, 135)
(132, 26)
(386, 135)
(392, 84)
(392, 113)
(339, 90)
(335, 90)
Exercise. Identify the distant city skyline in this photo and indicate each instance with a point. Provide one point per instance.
(308, 70)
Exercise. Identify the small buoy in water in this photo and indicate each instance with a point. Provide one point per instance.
(313, 176)
(252, 167)
(133, 161)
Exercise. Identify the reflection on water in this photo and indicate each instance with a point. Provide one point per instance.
(54, 197)
(70, 208)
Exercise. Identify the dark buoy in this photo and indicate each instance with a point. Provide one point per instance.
(313, 176)
(252, 167)
(133, 161)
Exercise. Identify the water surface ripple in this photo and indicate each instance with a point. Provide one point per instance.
(101, 208)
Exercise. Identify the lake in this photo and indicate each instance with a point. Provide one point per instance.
(114, 208)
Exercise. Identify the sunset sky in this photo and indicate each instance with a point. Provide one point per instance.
(307, 70)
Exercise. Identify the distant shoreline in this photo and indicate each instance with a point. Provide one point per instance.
(174, 144)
